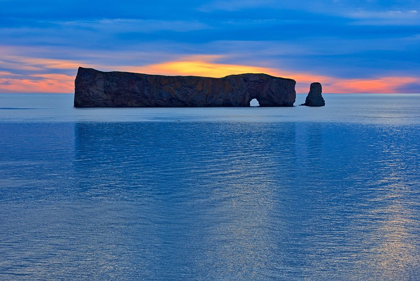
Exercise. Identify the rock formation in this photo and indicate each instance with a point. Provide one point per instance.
(121, 89)
(314, 97)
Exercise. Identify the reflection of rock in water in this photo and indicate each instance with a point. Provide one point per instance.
(310, 147)
(209, 190)
(118, 89)
(252, 199)
(244, 227)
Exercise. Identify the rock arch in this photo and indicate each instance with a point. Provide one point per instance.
(94, 88)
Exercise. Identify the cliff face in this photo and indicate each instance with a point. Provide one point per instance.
(314, 97)
(120, 89)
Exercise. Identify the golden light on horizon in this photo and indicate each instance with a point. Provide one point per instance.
(198, 65)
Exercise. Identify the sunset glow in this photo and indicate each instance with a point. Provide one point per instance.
(198, 65)
(41, 83)
(349, 47)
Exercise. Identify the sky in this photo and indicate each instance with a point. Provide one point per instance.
(350, 46)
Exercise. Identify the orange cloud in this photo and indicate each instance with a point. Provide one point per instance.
(200, 65)
(28, 63)
(380, 85)
(205, 66)
(43, 83)
(7, 73)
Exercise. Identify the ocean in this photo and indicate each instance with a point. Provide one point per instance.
(329, 193)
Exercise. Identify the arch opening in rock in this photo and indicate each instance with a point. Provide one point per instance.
(254, 103)
(95, 88)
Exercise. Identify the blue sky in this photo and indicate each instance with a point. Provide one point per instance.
(349, 46)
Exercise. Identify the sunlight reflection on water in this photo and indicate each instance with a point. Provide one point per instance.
(209, 200)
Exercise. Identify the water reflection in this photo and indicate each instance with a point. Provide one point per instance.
(393, 251)
(204, 190)
(241, 238)
(177, 200)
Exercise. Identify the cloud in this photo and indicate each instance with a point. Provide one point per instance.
(206, 66)
(134, 25)
(390, 17)
(378, 85)
(234, 5)
(46, 83)
(42, 63)
(6, 74)
(199, 65)
(410, 87)
(348, 45)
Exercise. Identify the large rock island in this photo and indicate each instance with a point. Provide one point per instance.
(122, 89)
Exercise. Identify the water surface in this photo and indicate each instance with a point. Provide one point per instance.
(299, 193)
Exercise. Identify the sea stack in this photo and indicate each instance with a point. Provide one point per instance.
(95, 88)
(314, 97)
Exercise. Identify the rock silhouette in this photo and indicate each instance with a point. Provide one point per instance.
(314, 97)
(94, 88)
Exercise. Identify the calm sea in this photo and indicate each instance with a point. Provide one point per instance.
(299, 193)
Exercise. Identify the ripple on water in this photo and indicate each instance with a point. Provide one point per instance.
(212, 200)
